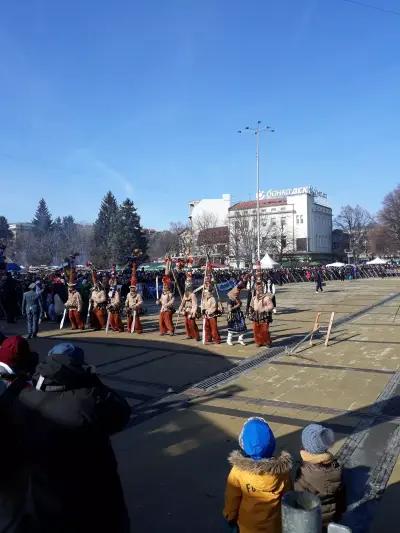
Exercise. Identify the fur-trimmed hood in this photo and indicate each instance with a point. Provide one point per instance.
(281, 464)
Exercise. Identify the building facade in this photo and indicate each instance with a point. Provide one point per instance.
(209, 212)
(294, 222)
(214, 243)
(204, 215)
(20, 228)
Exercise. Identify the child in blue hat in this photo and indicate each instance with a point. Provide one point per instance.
(257, 480)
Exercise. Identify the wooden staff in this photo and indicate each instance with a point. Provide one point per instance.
(180, 294)
(63, 318)
(133, 321)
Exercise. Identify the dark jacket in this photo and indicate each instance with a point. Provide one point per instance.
(74, 476)
(322, 475)
(14, 464)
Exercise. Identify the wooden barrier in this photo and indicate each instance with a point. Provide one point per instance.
(317, 328)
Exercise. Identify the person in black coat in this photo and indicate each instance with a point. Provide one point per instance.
(318, 281)
(10, 298)
(17, 364)
(70, 415)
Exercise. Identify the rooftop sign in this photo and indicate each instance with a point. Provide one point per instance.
(292, 192)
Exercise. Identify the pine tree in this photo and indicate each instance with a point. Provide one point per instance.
(5, 233)
(41, 246)
(64, 238)
(42, 223)
(129, 234)
(103, 244)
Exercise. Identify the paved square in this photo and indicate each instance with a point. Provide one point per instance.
(173, 456)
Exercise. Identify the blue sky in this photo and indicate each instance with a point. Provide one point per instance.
(145, 98)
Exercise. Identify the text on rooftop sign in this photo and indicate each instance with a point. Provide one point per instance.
(293, 191)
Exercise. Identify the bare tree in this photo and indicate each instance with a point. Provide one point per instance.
(160, 244)
(356, 222)
(243, 237)
(183, 238)
(389, 215)
(380, 241)
(278, 240)
(235, 245)
(206, 220)
(176, 241)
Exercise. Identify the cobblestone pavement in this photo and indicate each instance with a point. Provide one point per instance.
(173, 456)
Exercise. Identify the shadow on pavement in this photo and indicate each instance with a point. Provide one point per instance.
(173, 456)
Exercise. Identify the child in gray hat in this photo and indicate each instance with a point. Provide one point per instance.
(320, 473)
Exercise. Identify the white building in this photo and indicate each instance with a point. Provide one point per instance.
(296, 221)
(209, 212)
(20, 228)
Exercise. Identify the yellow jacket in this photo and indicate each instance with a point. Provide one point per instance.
(254, 490)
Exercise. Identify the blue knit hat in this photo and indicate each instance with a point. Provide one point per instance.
(67, 349)
(256, 439)
(317, 439)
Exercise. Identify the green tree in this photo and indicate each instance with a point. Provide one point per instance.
(64, 238)
(39, 246)
(128, 232)
(5, 233)
(42, 222)
(104, 232)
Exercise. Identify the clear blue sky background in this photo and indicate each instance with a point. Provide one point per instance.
(145, 98)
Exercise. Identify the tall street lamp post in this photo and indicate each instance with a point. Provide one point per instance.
(257, 130)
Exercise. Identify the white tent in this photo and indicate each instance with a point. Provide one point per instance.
(268, 262)
(377, 261)
(337, 264)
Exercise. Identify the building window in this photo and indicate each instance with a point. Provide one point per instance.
(301, 219)
(282, 209)
(273, 208)
(273, 221)
(301, 245)
(283, 221)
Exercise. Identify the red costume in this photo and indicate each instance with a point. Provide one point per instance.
(133, 304)
(210, 310)
(189, 306)
(98, 304)
(261, 306)
(74, 303)
(166, 301)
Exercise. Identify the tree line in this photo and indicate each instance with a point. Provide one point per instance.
(372, 235)
(116, 232)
